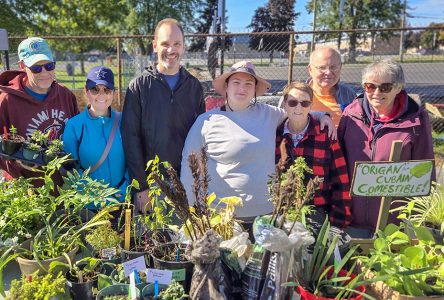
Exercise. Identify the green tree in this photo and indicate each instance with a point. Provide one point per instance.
(431, 39)
(17, 16)
(144, 15)
(358, 14)
(276, 15)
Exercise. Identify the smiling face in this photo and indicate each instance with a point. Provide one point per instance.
(298, 113)
(324, 69)
(39, 82)
(382, 102)
(240, 90)
(169, 46)
(100, 99)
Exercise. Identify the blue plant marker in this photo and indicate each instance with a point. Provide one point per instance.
(178, 254)
(136, 277)
(156, 289)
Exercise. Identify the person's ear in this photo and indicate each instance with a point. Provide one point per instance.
(22, 65)
(154, 46)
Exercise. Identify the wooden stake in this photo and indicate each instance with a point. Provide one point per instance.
(127, 229)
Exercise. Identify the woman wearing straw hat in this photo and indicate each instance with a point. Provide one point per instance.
(239, 139)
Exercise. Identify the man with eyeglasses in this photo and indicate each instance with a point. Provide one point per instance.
(31, 99)
(330, 95)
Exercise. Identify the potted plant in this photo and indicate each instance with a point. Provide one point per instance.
(173, 291)
(55, 149)
(103, 242)
(48, 286)
(118, 276)
(81, 277)
(408, 266)
(31, 150)
(315, 279)
(426, 211)
(11, 142)
(39, 138)
(116, 292)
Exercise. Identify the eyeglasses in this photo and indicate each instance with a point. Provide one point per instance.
(324, 69)
(38, 69)
(294, 103)
(383, 88)
(96, 90)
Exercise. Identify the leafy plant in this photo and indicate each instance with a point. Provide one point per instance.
(38, 287)
(324, 280)
(33, 147)
(12, 130)
(425, 210)
(83, 270)
(119, 275)
(55, 148)
(411, 268)
(103, 237)
(174, 291)
(39, 137)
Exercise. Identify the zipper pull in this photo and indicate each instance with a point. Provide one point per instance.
(172, 98)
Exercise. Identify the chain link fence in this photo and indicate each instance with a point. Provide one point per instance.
(279, 57)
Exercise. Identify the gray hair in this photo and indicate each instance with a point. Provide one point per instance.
(384, 67)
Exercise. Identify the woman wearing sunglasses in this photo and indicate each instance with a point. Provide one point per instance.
(368, 126)
(93, 137)
(300, 135)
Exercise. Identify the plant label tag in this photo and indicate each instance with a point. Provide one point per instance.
(109, 253)
(161, 276)
(179, 274)
(132, 291)
(137, 264)
(337, 254)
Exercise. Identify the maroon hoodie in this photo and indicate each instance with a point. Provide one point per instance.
(27, 114)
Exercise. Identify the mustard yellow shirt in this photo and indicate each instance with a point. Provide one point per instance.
(327, 104)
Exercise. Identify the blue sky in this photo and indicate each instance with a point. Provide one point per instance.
(240, 13)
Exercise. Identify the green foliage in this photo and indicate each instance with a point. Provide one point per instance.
(33, 147)
(425, 210)
(411, 269)
(39, 288)
(276, 15)
(103, 237)
(12, 130)
(119, 275)
(323, 280)
(39, 138)
(431, 39)
(359, 14)
(55, 148)
(83, 270)
(174, 291)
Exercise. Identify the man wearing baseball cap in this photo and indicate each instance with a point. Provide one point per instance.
(31, 99)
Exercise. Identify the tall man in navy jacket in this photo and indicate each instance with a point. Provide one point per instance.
(160, 107)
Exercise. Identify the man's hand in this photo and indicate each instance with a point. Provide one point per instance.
(326, 121)
(143, 201)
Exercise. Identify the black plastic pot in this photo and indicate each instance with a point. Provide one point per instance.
(78, 290)
(437, 235)
(178, 267)
(10, 147)
(135, 252)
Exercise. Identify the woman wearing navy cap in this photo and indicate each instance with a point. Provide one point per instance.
(93, 136)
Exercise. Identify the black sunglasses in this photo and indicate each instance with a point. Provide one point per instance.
(294, 103)
(96, 90)
(38, 69)
(383, 88)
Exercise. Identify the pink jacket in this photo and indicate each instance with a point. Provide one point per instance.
(411, 125)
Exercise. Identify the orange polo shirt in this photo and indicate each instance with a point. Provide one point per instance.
(327, 104)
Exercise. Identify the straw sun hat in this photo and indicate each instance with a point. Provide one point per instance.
(246, 67)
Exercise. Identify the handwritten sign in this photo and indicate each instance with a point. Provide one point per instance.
(161, 276)
(137, 264)
(109, 253)
(392, 179)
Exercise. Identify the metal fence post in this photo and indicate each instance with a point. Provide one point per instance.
(119, 73)
(290, 58)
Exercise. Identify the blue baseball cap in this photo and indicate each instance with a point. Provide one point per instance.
(34, 49)
(100, 75)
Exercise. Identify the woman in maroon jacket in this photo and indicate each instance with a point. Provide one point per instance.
(368, 126)
(300, 135)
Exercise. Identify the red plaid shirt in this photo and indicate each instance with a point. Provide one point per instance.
(326, 159)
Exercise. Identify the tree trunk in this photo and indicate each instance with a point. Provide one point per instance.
(352, 52)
